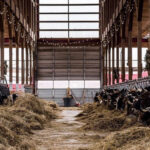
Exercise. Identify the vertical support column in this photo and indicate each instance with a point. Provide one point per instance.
(34, 73)
(10, 26)
(17, 59)
(22, 61)
(30, 51)
(123, 63)
(117, 56)
(149, 29)
(68, 67)
(130, 54)
(84, 61)
(109, 64)
(53, 69)
(102, 66)
(106, 70)
(10, 61)
(139, 38)
(139, 43)
(123, 53)
(130, 45)
(27, 64)
(2, 16)
(113, 58)
(2, 53)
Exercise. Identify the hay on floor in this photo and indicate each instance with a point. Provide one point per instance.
(17, 121)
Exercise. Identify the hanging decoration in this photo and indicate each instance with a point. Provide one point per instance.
(85, 42)
(120, 20)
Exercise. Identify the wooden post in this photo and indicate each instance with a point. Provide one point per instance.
(109, 64)
(2, 52)
(102, 66)
(2, 16)
(34, 73)
(106, 63)
(27, 64)
(22, 60)
(30, 65)
(139, 38)
(123, 53)
(139, 43)
(10, 61)
(130, 45)
(130, 54)
(117, 55)
(113, 58)
(149, 28)
(17, 57)
(10, 27)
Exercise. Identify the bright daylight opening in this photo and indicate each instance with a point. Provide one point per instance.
(69, 19)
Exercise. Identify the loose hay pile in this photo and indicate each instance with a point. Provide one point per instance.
(17, 122)
(97, 117)
(122, 132)
(135, 138)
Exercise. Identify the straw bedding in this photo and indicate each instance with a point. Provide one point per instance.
(18, 121)
(122, 132)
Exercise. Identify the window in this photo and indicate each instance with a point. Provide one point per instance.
(92, 84)
(45, 84)
(69, 19)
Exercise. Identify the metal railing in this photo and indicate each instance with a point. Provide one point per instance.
(139, 83)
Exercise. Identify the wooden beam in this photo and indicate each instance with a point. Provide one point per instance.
(34, 73)
(2, 16)
(106, 63)
(139, 37)
(113, 60)
(130, 54)
(139, 44)
(117, 55)
(130, 44)
(123, 53)
(27, 63)
(10, 27)
(2, 53)
(102, 66)
(109, 64)
(22, 61)
(17, 56)
(30, 52)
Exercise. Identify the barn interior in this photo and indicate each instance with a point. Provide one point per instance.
(73, 51)
(52, 46)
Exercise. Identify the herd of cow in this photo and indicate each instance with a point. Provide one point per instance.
(135, 101)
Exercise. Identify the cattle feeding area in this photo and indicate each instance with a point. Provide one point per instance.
(123, 115)
(18, 121)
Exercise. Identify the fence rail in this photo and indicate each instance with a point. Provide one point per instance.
(139, 83)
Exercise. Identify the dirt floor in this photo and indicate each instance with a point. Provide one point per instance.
(65, 134)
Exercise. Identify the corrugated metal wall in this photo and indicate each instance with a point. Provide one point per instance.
(70, 63)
